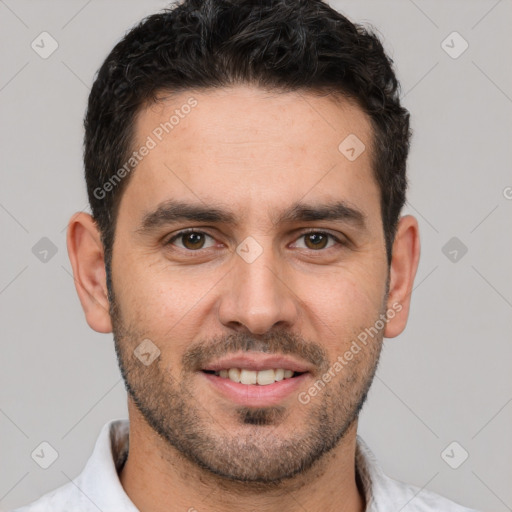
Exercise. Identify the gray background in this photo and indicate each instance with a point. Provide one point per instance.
(447, 378)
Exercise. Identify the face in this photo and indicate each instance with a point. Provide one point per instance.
(247, 242)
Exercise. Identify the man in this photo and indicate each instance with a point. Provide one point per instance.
(246, 168)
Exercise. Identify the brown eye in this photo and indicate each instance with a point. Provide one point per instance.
(193, 240)
(316, 240)
(190, 240)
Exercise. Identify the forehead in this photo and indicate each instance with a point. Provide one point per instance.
(256, 150)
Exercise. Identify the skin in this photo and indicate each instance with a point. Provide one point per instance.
(255, 153)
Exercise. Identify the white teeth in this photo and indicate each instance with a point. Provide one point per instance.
(248, 376)
(262, 377)
(266, 377)
(234, 374)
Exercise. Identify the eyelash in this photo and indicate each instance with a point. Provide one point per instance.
(304, 233)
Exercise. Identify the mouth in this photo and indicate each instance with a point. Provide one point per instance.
(248, 377)
(257, 381)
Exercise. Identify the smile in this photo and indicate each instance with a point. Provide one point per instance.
(252, 388)
(252, 377)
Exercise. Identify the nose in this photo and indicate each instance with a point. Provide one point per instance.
(258, 295)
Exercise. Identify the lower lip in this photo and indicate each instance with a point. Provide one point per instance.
(253, 394)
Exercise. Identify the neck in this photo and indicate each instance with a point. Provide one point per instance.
(157, 478)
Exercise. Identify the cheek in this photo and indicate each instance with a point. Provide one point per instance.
(342, 310)
(164, 303)
(349, 291)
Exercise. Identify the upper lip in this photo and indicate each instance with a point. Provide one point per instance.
(257, 363)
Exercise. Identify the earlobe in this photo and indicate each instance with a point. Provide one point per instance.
(404, 263)
(86, 254)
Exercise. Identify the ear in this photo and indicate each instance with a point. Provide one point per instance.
(404, 263)
(86, 254)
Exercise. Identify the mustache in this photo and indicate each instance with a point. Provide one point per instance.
(277, 342)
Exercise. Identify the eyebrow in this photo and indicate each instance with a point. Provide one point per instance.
(173, 211)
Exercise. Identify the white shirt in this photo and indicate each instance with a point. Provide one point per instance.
(98, 486)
